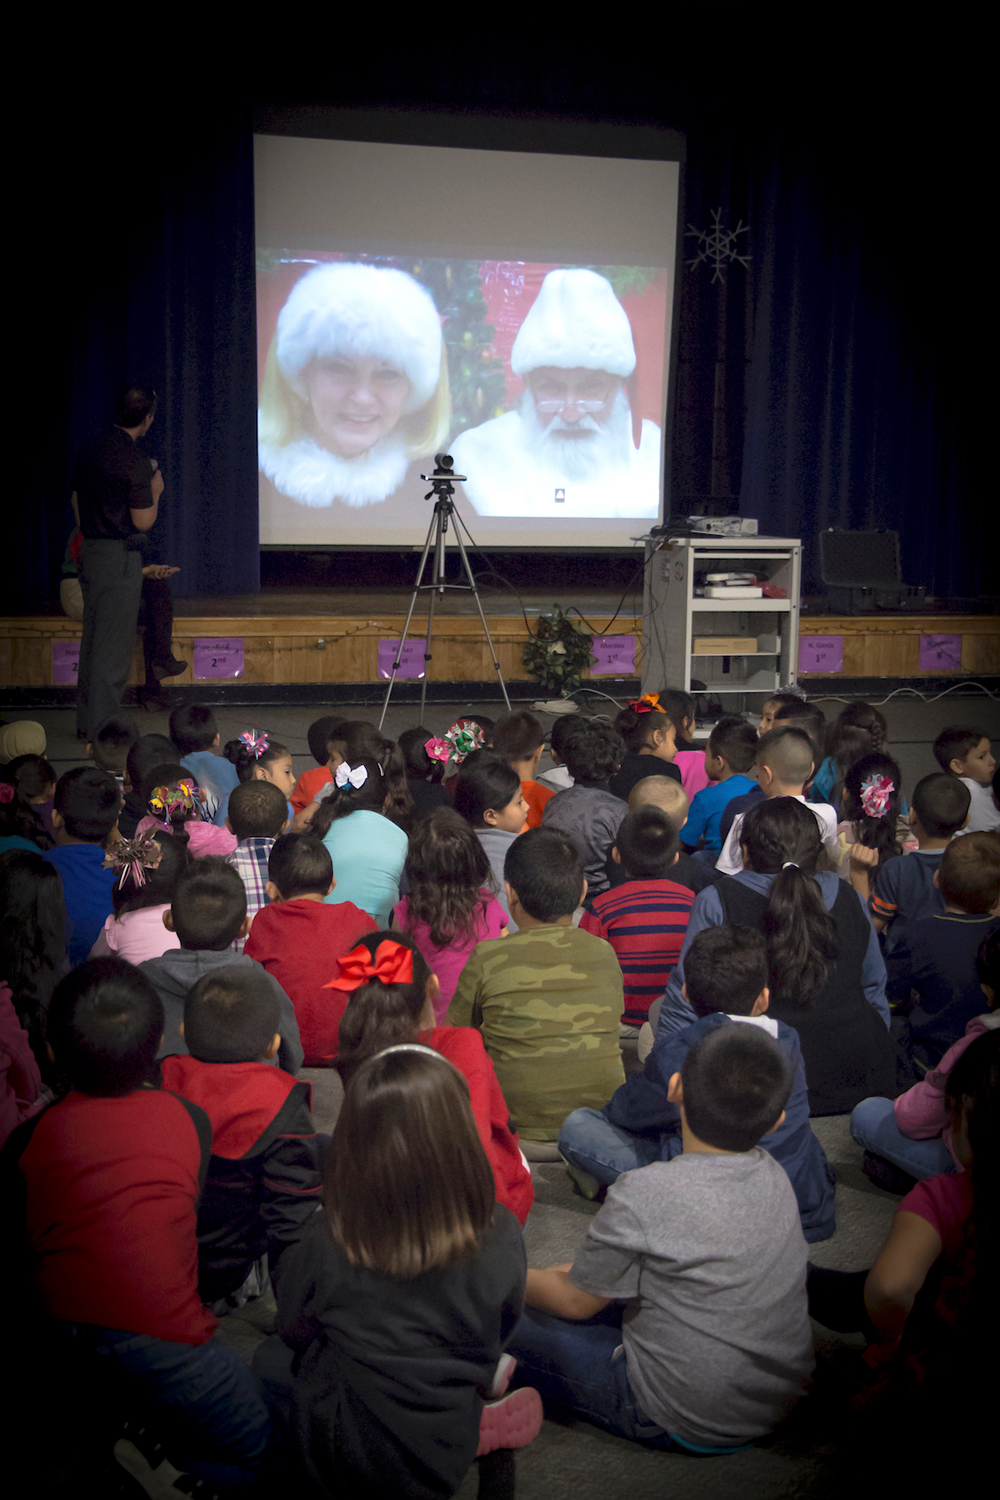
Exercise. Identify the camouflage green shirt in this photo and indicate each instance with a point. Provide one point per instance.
(549, 1003)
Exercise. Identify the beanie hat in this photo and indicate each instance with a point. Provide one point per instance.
(22, 737)
(343, 309)
(576, 322)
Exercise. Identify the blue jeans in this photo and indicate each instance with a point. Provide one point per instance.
(874, 1128)
(216, 1425)
(604, 1150)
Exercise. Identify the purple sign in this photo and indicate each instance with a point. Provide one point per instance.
(411, 658)
(218, 658)
(614, 656)
(65, 661)
(821, 653)
(940, 653)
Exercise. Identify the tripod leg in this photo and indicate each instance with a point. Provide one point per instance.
(475, 594)
(433, 533)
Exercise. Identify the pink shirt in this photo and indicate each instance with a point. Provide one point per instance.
(203, 838)
(135, 936)
(448, 962)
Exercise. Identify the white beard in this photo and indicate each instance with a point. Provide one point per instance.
(608, 446)
(306, 472)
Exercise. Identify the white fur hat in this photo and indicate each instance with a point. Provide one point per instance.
(361, 312)
(576, 322)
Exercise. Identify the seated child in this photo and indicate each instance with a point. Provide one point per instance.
(859, 730)
(548, 999)
(704, 1262)
(725, 980)
(27, 789)
(659, 791)
(868, 837)
(173, 799)
(557, 776)
(298, 939)
(689, 757)
(423, 772)
(729, 755)
(84, 814)
(645, 919)
(488, 795)
(364, 838)
(318, 734)
(650, 739)
(519, 738)
(912, 1133)
(196, 736)
(392, 1001)
(588, 811)
(770, 707)
(146, 871)
(937, 956)
(450, 907)
(144, 754)
(258, 814)
(209, 909)
(905, 888)
(113, 739)
(112, 1175)
(966, 753)
(784, 764)
(259, 757)
(263, 1183)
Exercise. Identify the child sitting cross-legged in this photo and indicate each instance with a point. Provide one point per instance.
(650, 738)
(208, 910)
(785, 759)
(195, 733)
(112, 1175)
(299, 938)
(173, 798)
(725, 974)
(519, 737)
(392, 1000)
(645, 919)
(489, 796)
(697, 1266)
(905, 889)
(588, 811)
(258, 814)
(263, 1183)
(548, 999)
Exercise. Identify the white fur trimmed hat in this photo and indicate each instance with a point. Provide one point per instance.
(575, 322)
(344, 309)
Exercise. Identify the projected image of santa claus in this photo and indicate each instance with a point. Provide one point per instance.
(355, 386)
(571, 448)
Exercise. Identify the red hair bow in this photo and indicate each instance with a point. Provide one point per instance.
(392, 964)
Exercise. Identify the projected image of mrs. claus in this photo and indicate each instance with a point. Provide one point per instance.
(355, 386)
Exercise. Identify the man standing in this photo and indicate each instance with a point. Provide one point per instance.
(115, 493)
(570, 448)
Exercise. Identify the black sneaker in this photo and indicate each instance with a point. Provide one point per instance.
(890, 1178)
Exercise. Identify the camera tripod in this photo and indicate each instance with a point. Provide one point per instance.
(442, 483)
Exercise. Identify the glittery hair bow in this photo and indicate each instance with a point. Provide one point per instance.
(132, 857)
(6, 792)
(343, 776)
(646, 704)
(876, 791)
(437, 749)
(253, 742)
(463, 737)
(392, 963)
(170, 799)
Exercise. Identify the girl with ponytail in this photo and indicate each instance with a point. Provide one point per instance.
(367, 848)
(871, 803)
(174, 801)
(826, 975)
(650, 737)
(859, 730)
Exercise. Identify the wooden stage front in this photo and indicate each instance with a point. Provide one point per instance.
(312, 637)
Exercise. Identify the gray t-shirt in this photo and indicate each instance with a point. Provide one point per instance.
(709, 1252)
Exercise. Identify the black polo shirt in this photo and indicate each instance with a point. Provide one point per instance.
(111, 478)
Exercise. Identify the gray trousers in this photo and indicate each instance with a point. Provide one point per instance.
(111, 579)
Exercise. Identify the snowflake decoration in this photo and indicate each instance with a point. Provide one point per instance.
(718, 245)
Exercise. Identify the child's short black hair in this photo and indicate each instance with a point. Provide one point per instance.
(104, 1024)
(677, 705)
(146, 752)
(193, 728)
(517, 735)
(257, 810)
(560, 734)
(111, 743)
(788, 753)
(209, 905)
(299, 864)
(808, 717)
(725, 969)
(736, 1083)
(593, 752)
(647, 843)
(88, 800)
(231, 1015)
(417, 762)
(969, 872)
(319, 734)
(545, 870)
(955, 743)
(486, 782)
(942, 803)
(735, 741)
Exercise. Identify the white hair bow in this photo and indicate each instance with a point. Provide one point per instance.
(344, 776)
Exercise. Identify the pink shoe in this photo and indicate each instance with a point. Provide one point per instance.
(512, 1422)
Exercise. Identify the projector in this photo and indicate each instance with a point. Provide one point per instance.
(723, 525)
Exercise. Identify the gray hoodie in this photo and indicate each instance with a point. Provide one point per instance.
(178, 970)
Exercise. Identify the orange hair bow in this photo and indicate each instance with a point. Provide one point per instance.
(646, 704)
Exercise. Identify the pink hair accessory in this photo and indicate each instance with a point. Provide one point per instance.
(255, 743)
(437, 749)
(133, 857)
(876, 793)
